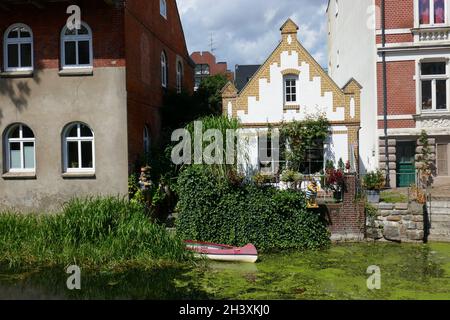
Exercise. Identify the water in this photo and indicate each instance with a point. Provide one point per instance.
(407, 272)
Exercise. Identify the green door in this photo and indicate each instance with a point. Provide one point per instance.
(406, 168)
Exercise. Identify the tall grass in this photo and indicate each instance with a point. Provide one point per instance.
(91, 232)
(221, 123)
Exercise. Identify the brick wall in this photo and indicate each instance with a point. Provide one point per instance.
(105, 21)
(401, 92)
(396, 38)
(148, 34)
(399, 13)
(346, 220)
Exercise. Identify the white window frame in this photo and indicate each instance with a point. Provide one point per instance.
(431, 24)
(164, 69)
(179, 76)
(285, 94)
(18, 41)
(163, 8)
(79, 139)
(77, 38)
(433, 79)
(20, 140)
(147, 140)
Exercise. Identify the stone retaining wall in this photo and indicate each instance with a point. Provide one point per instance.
(413, 222)
(401, 222)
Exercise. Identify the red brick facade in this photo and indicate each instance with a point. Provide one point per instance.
(131, 34)
(399, 13)
(209, 59)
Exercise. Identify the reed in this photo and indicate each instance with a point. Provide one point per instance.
(90, 232)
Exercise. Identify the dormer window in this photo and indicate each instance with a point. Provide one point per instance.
(432, 12)
(163, 8)
(290, 89)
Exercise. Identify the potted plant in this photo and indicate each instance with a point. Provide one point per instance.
(291, 178)
(335, 181)
(373, 182)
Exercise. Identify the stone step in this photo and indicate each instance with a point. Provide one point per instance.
(438, 218)
(435, 210)
(440, 204)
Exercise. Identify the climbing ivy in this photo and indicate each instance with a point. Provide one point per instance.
(297, 137)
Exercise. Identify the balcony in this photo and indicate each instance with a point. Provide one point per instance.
(431, 35)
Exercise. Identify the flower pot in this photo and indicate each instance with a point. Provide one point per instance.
(338, 195)
(373, 196)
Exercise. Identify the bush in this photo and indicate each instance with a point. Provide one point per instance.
(374, 180)
(214, 210)
(93, 232)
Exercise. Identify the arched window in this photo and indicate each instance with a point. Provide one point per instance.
(164, 69)
(179, 77)
(78, 149)
(163, 8)
(76, 47)
(20, 149)
(147, 140)
(18, 48)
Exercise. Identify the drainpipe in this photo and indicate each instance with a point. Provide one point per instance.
(385, 100)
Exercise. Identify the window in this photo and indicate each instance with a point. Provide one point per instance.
(163, 70)
(163, 8)
(18, 48)
(267, 164)
(79, 148)
(76, 47)
(20, 149)
(179, 77)
(147, 141)
(432, 12)
(202, 71)
(290, 89)
(434, 85)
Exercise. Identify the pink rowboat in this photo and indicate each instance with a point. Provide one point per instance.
(220, 252)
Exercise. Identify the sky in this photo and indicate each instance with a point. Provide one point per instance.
(247, 31)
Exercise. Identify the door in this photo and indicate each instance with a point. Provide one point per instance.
(442, 156)
(406, 169)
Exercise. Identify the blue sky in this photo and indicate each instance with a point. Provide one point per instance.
(246, 31)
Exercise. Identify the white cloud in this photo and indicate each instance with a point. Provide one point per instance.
(246, 31)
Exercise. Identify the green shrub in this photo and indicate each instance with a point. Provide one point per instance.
(94, 232)
(213, 210)
(374, 180)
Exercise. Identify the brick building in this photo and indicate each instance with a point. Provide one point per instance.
(206, 65)
(78, 107)
(403, 47)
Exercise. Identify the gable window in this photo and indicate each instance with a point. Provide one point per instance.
(179, 77)
(290, 89)
(163, 8)
(78, 148)
(76, 47)
(434, 85)
(163, 70)
(20, 149)
(18, 48)
(432, 12)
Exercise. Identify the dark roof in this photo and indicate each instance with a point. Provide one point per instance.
(243, 74)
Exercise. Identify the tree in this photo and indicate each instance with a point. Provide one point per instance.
(209, 94)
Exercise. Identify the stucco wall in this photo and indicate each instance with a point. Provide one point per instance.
(352, 53)
(47, 103)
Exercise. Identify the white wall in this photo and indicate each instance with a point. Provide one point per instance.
(352, 34)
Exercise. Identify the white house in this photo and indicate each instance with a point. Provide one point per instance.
(290, 86)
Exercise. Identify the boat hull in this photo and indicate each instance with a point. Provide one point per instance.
(224, 253)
